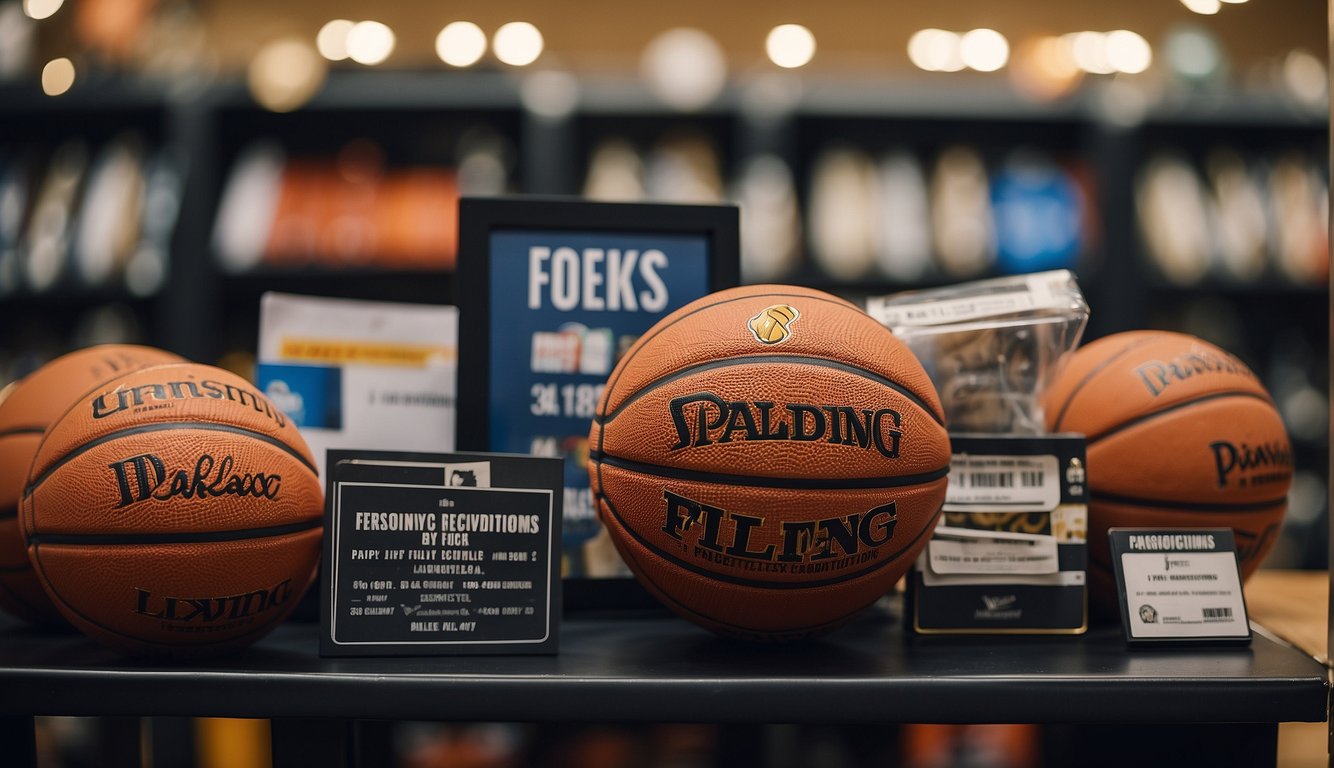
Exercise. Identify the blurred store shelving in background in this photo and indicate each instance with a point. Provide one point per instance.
(163, 163)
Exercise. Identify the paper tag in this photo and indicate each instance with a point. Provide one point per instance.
(964, 551)
(1179, 585)
(1036, 291)
(1003, 483)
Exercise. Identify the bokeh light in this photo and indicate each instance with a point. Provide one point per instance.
(460, 44)
(790, 46)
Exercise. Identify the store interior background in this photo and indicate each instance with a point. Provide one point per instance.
(163, 163)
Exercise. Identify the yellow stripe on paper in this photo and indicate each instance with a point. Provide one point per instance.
(346, 352)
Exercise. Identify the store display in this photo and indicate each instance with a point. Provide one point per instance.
(1180, 433)
(770, 221)
(1299, 206)
(107, 230)
(842, 215)
(615, 172)
(173, 512)
(1174, 220)
(26, 411)
(45, 247)
(1239, 219)
(1038, 215)
(15, 175)
(683, 168)
(769, 460)
(903, 232)
(961, 223)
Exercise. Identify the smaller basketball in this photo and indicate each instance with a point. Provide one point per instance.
(1181, 434)
(173, 512)
(27, 408)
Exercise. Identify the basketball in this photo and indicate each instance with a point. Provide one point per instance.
(768, 461)
(27, 407)
(173, 512)
(1181, 434)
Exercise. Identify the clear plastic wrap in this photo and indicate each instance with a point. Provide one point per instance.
(990, 346)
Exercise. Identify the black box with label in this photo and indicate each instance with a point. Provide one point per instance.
(1010, 551)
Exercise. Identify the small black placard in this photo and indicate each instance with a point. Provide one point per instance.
(1179, 586)
(440, 554)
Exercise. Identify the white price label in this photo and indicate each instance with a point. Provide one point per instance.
(1003, 483)
(1184, 594)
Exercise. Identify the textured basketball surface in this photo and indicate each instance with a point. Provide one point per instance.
(768, 461)
(173, 512)
(1180, 434)
(29, 407)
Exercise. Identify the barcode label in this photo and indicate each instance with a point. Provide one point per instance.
(1012, 482)
(1217, 613)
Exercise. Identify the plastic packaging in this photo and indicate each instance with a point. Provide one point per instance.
(990, 346)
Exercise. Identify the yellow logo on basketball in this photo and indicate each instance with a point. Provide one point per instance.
(773, 325)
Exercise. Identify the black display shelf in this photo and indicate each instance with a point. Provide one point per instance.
(663, 669)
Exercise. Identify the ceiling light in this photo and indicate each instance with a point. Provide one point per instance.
(985, 50)
(1128, 52)
(41, 9)
(935, 50)
(517, 43)
(332, 39)
(790, 46)
(370, 42)
(460, 44)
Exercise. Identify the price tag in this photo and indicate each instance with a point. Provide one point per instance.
(1179, 586)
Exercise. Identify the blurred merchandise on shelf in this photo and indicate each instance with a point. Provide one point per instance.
(903, 239)
(349, 210)
(83, 219)
(1038, 215)
(961, 222)
(1238, 220)
(842, 214)
(770, 219)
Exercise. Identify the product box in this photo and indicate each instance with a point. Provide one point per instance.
(1010, 551)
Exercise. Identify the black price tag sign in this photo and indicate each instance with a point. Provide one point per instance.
(429, 554)
(1179, 586)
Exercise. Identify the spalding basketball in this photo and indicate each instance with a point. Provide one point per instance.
(26, 410)
(173, 512)
(1181, 434)
(768, 461)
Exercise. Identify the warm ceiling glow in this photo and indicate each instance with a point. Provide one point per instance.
(332, 39)
(517, 43)
(57, 76)
(985, 50)
(460, 44)
(935, 50)
(1203, 7)
(1090, 52)
(285, 74)
(685, 67)
(790, 46)
(1128, 52)
(370, 42)
(41, 9)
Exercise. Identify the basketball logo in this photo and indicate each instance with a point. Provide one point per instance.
(773, 325)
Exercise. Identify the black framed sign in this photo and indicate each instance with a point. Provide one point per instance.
(551, 292)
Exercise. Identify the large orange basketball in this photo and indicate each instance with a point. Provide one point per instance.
(1180, 434)
(26, 410)
(769, 460)
(173, 512)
